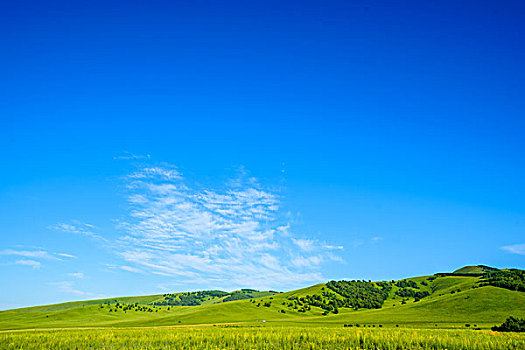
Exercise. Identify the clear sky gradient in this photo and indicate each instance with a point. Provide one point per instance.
(154, 146)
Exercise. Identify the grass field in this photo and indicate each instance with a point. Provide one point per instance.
(260, 338)
(457, 313)
(485, 306)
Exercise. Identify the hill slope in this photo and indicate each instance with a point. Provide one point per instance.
(474, 270)
(426, 300)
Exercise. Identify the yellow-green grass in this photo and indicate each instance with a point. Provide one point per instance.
(483, 306)
(473, 269)
(444, 285)
(144, 300)
(260, 338)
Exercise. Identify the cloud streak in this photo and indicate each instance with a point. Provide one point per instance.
(79, 275)
(233, 235)
(515, 249)
(130, 156)
(26, 262)
(32, 258)
(77, 228)
(68, 288)
(36, 254)
(42, 254)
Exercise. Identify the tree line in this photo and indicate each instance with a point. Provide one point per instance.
(349, 294)
(512, 279)
(189, 298)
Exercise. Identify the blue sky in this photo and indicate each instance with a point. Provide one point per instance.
(169, 146)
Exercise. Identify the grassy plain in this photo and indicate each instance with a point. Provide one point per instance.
(445, 307)
(457, 314)
(221, 337)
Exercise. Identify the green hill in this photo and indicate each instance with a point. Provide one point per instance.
(442, 300)
(475, 270)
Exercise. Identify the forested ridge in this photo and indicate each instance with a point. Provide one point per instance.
(189, 298)
(512, 279)
(197, 298)
(355, 294)
(348, 294)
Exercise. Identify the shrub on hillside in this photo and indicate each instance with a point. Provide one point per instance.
(189, 298)
(407, 283)
(358, 294)
(511, 324)
(410, 293)
(513, 279)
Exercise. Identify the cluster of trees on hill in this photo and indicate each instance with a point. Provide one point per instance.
(351, 294)
(267, 303)
(303, 304)
(512, 279)
(129, 307)
(511, 324)
(196, 298)
(189, 298)
(407, 283)
(411, 293)
(361, 294)
(240, 295)
(237, 296)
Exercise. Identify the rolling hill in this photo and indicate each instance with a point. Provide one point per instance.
(474, 270)
(476, 295)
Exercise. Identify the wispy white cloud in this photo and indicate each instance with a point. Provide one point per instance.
(27, 262)
(311, 261)
(116, 268)
(310, 245)
(131, 269)
(333, 247)
(130, 156)
(68, 287)
(42, 254)
(79, 275)
(163, 173)
(306, 245)
(515, 249)
(333, 257)
(32, 257)
(77, 228)
(231, 235)
(64, 255)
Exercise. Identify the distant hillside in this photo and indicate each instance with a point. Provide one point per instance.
(475, 270)
(209, 296)
(471, 295)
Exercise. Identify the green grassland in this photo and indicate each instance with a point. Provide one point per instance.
(260, 338)
(479, 269)
(442, 301)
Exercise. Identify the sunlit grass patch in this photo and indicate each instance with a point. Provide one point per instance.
(259, 338)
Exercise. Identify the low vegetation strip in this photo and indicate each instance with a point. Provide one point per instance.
(511, 324)
(198, 298)
(512, 279)
(260, 338)
(417, 300)
(411, 293)
(189, 298)
(342, 294)
(360, 294)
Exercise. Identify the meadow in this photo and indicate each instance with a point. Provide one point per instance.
(454, 312)
(242, 337)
